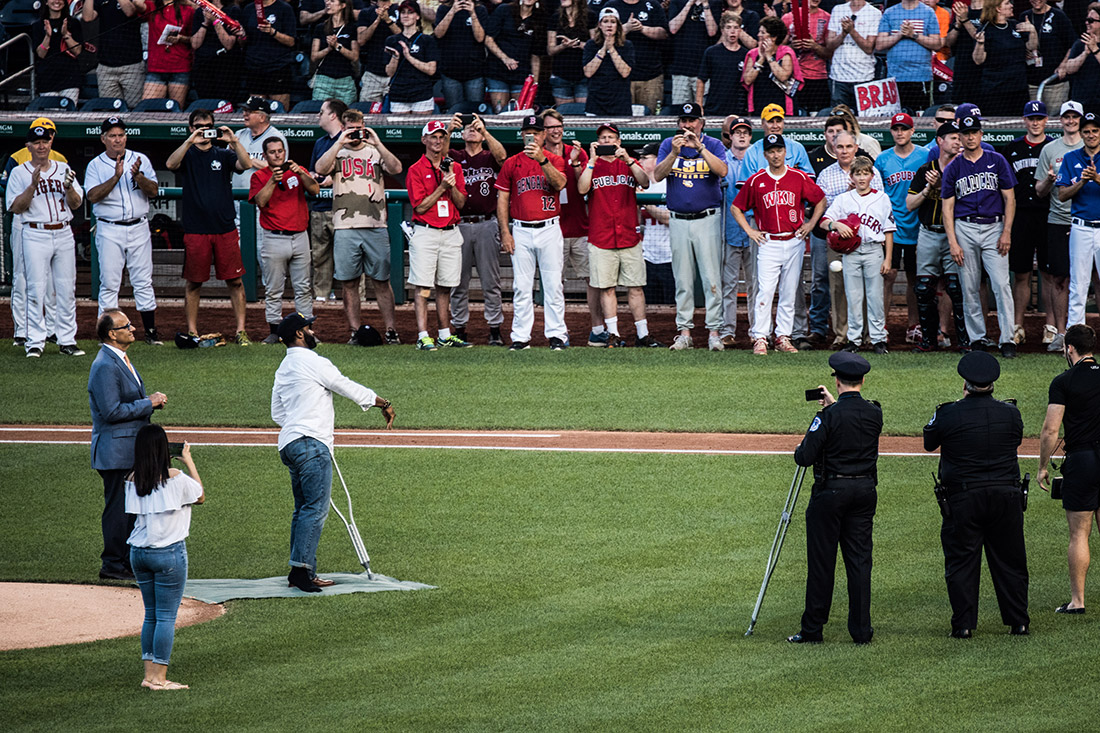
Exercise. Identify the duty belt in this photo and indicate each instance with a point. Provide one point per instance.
(43, 225)
(968, 485)
(535, 224)
(981, 219)
(1084, 223)
(693, 215)
(124, 222)
(447, 228)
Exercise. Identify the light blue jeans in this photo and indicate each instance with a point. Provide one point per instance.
(310, 465)
(455, 91)
(161, 574)
(863, 283)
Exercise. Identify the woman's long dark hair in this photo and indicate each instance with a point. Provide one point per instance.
(151, 459)
(161, 5)
(44, 11)
(346, 16)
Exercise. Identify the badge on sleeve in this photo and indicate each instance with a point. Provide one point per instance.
(815, 424)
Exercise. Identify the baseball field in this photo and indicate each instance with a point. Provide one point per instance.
(577, 589)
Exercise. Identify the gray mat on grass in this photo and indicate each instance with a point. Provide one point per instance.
(220, 590)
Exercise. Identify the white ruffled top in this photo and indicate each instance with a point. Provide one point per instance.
(163, 517)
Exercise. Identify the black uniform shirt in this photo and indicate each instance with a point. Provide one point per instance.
(978, 437)
(843, 439)
(1023, 156)
(1078, 388)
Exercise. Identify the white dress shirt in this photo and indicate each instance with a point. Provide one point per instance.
(126, 200)
(301, 400)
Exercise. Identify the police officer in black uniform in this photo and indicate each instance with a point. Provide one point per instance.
(842, 446)
(1075, 403)
(978, 437)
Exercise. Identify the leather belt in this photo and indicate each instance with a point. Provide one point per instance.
(43, 225)
(981, 219)
(447, 228)
(125, 222)
(782, 237)
(1085, 223)
(283, 232)
(535, 224)
(477, 218)
(693, 215)
(935, 229)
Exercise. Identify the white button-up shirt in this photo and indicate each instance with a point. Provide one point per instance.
(126, 200)
(301, 400)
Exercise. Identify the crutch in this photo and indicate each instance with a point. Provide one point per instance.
(777, 544)
(349, 522)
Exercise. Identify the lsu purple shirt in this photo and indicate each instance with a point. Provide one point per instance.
(976, 187)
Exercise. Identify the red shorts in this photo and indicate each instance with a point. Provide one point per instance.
(221, 250)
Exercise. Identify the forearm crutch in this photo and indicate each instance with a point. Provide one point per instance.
(777, 544)
(349, 522)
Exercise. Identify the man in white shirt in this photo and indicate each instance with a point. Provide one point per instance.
(257, 129)
(853, 28)
(119, 183)
(301, 404)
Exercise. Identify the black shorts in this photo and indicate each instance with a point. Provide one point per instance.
(907, 254)
(1081, 481)
(1056, 259)
(1029, 238)
(268, 81)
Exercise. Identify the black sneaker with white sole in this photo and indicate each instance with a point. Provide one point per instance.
(71, 350)
(34, 353)
(519, 345)
(556, 344)
(392, 339)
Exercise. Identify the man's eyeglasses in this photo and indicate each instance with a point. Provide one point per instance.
(125, 327)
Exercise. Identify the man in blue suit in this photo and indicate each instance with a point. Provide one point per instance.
(119, 409)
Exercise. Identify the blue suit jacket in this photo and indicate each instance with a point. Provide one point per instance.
(119, 409)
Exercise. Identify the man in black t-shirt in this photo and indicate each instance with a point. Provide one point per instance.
(209, 233)
(721, 68)
(1074, 403)
(121, 70)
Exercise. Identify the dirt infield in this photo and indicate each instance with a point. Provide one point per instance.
(47, 614)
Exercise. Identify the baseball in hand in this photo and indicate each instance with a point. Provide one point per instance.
(836, 265)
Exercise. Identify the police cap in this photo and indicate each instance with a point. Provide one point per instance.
(848, 366)
(979, 368)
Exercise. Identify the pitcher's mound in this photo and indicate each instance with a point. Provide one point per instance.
(47, 614)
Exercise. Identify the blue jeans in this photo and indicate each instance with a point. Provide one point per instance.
(161, 574)
(819, 287)
(843, 92)
(455, 91)
(310, 465)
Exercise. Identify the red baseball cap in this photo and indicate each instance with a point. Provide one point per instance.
(607, 126)
(434, 126)
(901, 120)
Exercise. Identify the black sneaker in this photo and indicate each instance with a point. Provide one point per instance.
(556, 344)
(51, 339)
(34, 353)
(982, 345)
(519, 345)
(19, 341)
(850, 347)
(392, 339)
(153, 338)
(803, 344)
(460, 331)
(1008, 350)
(923, 347)
(71, 350)
(495, 339)
(649, 342)
(880, 348)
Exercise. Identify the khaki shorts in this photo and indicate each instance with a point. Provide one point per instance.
(611, 267)
(435, 257)
(576, 258)
(374, 87)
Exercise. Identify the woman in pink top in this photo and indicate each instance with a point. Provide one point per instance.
(170, 54)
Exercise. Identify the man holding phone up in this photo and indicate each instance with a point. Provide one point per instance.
(527, 212)
(120, 183)
(437, 191)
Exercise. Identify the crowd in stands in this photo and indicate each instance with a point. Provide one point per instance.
(610, 58)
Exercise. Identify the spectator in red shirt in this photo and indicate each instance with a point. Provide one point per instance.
(437, 191)
(279, 191)
(170, 54)
(610, 180)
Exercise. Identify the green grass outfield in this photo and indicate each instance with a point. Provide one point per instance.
(491, 388)
(576, 592)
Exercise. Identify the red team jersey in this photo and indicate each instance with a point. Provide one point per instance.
(574, 212)
(286, 210)
(778, 204)
(421, 180)
(530, 196)
(612, 203)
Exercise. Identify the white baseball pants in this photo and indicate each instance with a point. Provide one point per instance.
(19, 286)
(130, 247)
(49, 256)
(1084, 257)
(544, 248)
(778, 263)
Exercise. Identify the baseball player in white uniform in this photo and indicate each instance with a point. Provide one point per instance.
(45, 192)
(119, 183)
(18, 282)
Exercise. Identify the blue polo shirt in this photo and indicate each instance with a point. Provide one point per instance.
(754, 162)
(735, 235)
(897, 173)
(1086, 204)
(692, 187)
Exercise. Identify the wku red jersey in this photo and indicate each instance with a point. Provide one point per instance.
(778, 203)
(530, 196)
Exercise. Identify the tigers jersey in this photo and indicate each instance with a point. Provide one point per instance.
(875, 212)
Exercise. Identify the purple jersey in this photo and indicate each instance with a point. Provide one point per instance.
(976, 187)
(481, 176)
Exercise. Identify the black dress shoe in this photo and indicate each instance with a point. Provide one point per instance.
(961, 633)
(300, 578)
(800, 638)
(1020, 630)
(116, 574)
